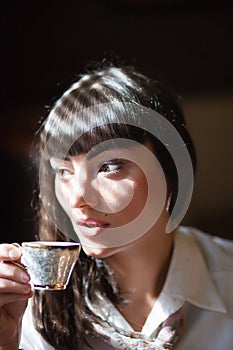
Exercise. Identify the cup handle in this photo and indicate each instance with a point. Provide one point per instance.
(22, 266)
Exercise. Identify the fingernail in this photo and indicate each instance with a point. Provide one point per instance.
(24, 277)
(26, 289)
(13, 253)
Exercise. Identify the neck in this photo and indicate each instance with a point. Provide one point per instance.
(141, 267)
(140, 271)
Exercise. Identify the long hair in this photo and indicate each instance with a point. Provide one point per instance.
(91, 111)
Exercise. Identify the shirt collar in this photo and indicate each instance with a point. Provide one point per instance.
(188, 276)
(188, 279)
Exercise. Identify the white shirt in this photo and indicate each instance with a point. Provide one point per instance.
(200, 275)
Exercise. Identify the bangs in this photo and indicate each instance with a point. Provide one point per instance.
(69, 133)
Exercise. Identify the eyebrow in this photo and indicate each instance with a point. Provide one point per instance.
(101, 149)
(67, 159)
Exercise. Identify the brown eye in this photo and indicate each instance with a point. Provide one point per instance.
(62, 172)
(111, 167)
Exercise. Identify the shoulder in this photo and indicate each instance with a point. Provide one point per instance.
(217, 253)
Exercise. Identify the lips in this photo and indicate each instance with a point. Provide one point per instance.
(92, 223)
(91, 227)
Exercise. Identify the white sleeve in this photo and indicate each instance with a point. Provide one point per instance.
(30, 338)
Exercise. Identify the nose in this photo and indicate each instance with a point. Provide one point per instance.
(82, 193)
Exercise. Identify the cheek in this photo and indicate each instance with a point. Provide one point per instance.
(130, 199)
(139, 198)
(62, 195)
(141, 192)
(116, 195)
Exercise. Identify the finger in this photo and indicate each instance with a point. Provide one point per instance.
(16, 245)
(11, 298)
(12, 272)
(9, 252)
(9, 286)
(19, 264)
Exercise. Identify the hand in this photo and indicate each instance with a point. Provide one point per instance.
(14, 293)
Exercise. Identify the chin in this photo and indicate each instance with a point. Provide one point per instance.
(99, 253)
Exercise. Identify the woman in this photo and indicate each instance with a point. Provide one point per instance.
(116, 172)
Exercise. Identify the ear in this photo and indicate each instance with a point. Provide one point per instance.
(169, 198)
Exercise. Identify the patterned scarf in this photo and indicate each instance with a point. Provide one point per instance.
(164, 338)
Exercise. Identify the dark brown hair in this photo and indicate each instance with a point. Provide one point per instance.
(92, 110)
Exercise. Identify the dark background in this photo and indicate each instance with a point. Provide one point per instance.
(185, 44)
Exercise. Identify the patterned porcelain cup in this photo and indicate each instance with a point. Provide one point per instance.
(50, 264)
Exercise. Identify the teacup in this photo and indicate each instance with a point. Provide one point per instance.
(50, 264)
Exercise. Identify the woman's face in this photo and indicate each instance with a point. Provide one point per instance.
(105, 194)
